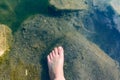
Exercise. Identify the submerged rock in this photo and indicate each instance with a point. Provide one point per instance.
(5, 38)
(69, 4)
(86, 61)
(39, 34)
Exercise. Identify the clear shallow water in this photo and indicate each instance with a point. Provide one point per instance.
(14, 12)
(108, 35)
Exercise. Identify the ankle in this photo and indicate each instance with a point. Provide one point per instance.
(60, 78)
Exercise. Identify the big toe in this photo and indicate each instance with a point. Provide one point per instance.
(60, 51)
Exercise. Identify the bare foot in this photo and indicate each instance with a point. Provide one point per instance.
(55, 64)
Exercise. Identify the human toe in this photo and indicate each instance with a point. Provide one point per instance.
(51, 56)
(48, 58)
(56, 50)
(61, 51)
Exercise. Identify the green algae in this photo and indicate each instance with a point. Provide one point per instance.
(23, 71)
(13, 12)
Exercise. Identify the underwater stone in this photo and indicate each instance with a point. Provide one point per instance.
(69, 4)
(5, 38)
(83, 59)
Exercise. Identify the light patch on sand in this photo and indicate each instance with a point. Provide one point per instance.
(5, 38)
(1, 53)
(26, 72)
(116, 5)
(3, 42)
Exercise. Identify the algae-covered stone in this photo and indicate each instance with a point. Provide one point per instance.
(69, 4)
(39, 34)
(5, 38)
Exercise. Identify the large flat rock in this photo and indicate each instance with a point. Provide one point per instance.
(39, 34)
(69, 4)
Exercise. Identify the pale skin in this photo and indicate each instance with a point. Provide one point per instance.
(55, 64)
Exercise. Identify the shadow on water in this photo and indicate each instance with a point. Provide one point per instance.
(13, 13)
(43, 62)
(43, 59)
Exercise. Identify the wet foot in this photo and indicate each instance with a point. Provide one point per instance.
(55, 64)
